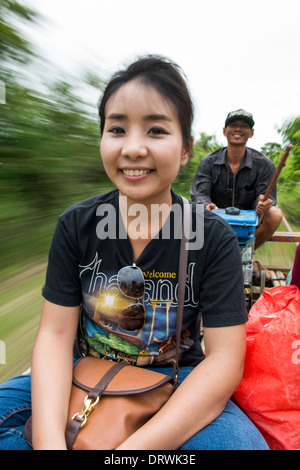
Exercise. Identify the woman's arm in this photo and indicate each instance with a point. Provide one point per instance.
(52, 366)
(201, 397)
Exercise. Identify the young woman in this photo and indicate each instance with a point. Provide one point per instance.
(146, 115)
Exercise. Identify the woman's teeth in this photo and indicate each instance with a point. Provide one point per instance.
(136, 172)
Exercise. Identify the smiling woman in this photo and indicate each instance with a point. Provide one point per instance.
(146, 115)
(142, 127)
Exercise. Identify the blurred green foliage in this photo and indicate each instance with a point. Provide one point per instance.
(203, 145)
(49, 145)
(288, 183)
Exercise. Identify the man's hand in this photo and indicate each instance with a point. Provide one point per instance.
(263, 206)
(211, 206)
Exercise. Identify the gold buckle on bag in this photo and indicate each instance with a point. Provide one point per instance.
(89, 405)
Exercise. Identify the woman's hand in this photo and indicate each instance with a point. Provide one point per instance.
(200, 398)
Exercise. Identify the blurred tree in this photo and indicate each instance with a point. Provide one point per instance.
(271, 149)
(49, 139)
(202, 146)
(291, 134)
(14, 47)
(288, 183)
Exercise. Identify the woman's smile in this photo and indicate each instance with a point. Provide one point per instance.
(135, 172)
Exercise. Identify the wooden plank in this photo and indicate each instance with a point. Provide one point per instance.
(284, 269)
(285, 237)
(280, 278)
(285, 221)
(274, 279)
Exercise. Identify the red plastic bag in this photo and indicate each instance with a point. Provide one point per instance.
(269, 392)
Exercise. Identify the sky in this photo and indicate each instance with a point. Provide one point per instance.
(235, 53)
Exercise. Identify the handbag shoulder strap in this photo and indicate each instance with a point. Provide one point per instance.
(182, 270)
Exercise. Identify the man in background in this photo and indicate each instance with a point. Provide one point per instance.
(238, 176)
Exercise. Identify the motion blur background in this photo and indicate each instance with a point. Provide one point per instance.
(49, 130)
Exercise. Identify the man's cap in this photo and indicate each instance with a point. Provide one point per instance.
(239, 114)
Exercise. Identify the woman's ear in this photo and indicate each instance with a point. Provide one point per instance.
(186, 152)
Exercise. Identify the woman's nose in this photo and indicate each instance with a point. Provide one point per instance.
(134, 147)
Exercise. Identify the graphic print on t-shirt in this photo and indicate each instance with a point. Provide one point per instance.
(145, 326)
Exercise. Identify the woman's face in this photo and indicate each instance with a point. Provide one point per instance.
(141, 146)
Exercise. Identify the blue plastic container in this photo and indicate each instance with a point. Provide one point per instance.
(243, 222)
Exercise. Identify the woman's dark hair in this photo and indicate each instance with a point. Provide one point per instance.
(166, 77)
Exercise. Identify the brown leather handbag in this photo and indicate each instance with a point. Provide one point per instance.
(110, 401)
(124, 399)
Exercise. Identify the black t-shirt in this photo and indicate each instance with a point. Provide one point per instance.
(84, 263)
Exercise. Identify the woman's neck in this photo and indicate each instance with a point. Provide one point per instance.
(143, 220)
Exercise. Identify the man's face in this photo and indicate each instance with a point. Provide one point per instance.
(238, 132)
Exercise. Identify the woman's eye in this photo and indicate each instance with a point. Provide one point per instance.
(116, 130)
(157, 131)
